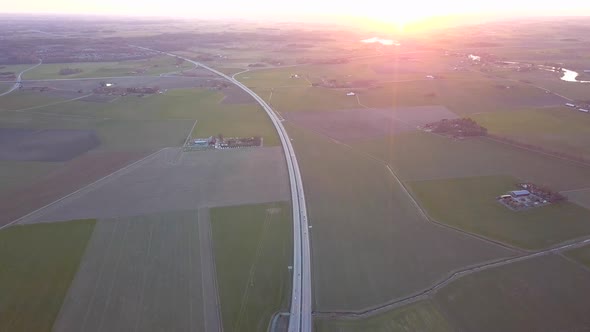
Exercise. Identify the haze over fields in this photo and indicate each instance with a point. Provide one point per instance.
(225, 167)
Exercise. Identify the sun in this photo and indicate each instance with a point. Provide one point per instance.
(402, 16)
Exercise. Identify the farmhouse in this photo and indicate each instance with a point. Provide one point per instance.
(529, 196)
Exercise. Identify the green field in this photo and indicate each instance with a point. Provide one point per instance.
(581, 255)
(151, 122)
(264, 78)
(25, 99)
(550, 81)
(561, 129)
(38, 264)
(470, 204)
(307, 99)
(463, 97)
(5, 86)
(153, 66)
(465, 92)
(138, 273)
(365, 231)
(425, 156)
(419, 316)
(546, 293)
(581, 197)
(383, 68)
(252, 246)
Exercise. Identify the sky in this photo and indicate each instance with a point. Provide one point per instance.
(382, 10)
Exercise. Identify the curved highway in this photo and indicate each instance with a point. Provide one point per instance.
(19, 79)
(300, 319)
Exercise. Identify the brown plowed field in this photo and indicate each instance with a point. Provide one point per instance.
(72, 176)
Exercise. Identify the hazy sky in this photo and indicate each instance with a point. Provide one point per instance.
(377, 9)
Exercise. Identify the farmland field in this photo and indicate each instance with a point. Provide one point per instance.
(581, 197)
(362, 124)
(29, 194)
(252, 245)
(562, 129)
(38, 265)
(20, 173)
(163, 237)
(152, 66)
(5, 86)
(138, 273)
(152, 122)
(546, 293)
(365, 251)
(463, 96)
(581, 255)
(419, 316)
(18, 100)
(425, 156)
(470, 204)
(127, 129)
(168, 180)
(307, 99)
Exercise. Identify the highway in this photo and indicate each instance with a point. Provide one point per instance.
(300, 318)
(20, 78)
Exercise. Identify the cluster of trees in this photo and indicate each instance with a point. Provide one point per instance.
(543, 192)
(6, 75)
(70, 71)
(464, 127)
(328, 61)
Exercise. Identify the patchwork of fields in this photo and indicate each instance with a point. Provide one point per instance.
(541, 294)
(366, 252)
(377, 248)
(161, 239)
(559, 130)
(148, 262)
(152, 66)
(470, 204)
(420, 316)
(364, 124)
(425, 156)
(172, 180)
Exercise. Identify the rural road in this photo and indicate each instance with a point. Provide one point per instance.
(211, 305)
(19, 79)
(300, 318)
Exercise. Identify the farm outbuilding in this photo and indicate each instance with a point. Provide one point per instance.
(520, 193)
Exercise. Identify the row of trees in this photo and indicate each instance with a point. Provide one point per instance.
(464, 127)
(543, 192)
